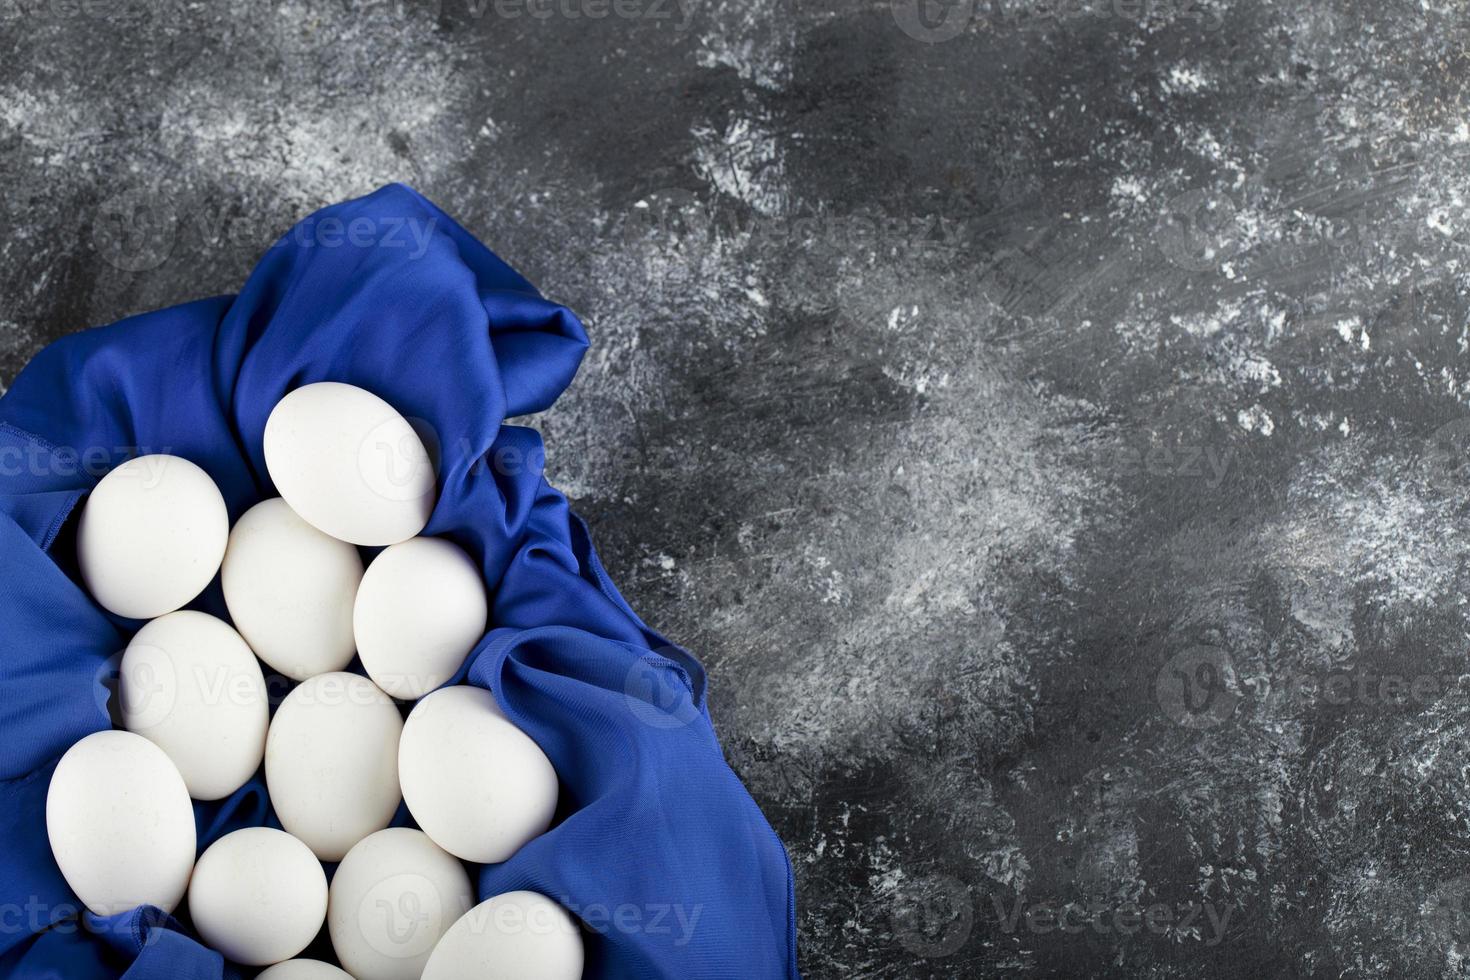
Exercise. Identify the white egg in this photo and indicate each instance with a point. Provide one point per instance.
(515, 936)
(120, 823)
(331, 762)
(349, 464)
(393, 896)
(151, 536)
(420, 611)
(302, 970)
(259, 896)
(290, 589)
(191, 686)
(476, 784)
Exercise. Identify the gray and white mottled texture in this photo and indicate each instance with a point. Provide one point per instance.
(1051, 435)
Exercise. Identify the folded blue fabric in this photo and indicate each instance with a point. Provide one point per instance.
(657, 847)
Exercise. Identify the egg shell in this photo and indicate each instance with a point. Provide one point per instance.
(331, 762)
(189, 684)
(514, 936)
(393, 896)
(151, 536)
(302, 970)
(420, 611)
(349, 464)
(259, 896)
(290, 590)
(476, 784)
(120, 823)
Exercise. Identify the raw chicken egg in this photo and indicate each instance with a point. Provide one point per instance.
(515, 936)
(476, 784)
(420, 611)
(258, 896)
(120, 823)
(290, 590)
(191, 686)
(349, 464)
(303, 970)
(331, 762)
(151, 536)
(393, 896)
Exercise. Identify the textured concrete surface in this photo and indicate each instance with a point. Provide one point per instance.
(1048, 421)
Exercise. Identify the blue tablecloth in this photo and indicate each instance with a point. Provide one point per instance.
(657, 847)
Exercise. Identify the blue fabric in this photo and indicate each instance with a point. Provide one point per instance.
(657, 846)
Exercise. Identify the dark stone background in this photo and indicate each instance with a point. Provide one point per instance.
(1047, 422)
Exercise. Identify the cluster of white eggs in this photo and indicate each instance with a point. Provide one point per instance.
(338, 754)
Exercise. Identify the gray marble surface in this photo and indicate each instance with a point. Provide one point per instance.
(1048, 421)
